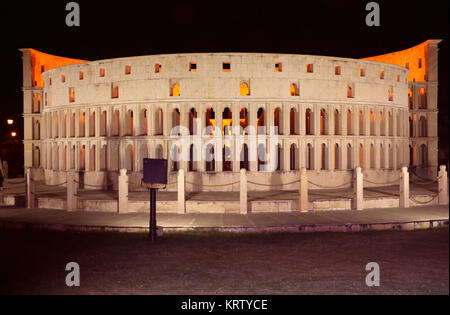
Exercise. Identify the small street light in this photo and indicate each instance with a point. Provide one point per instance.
(13, 134)
(10, 121)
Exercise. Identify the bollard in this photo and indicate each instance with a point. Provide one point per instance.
(303, 190)
(71, 191)
(404, 188)
(358, 196)
(30, 189)
(443, 186)
(181, 192)
(243, 192)
(123, 191)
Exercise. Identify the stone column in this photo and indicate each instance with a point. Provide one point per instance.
(443, 190)
(181, 192)
(30, 189)
(123, 191)
(358, 197)
(243, 192)
(303, 191)
(71, 191)
(404, 188)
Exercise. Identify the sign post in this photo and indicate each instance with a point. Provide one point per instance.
(155, 176)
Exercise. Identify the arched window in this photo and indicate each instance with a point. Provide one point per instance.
(129, 123)
(262, 157)
(337, 123)
(294, 91)
(227, 121)
(382, 124)
(423, 155)
(349, 122)
(294, 160)
(422, 127)
(175, 90)
(276, 120)
(372, 123)
(244, 90)
(129, 157)
(361, 156)
(410, 98)
(349, 156)
(176, 121)
(260, 121)
(309, 157)
(336, 157)
(92, 124)
(210, 121)
(244, 157)
(323, 122)
(372, 156)
(227, 158)
(103, 123)
(361, 123)
(192, 118)
(243, 119)
(423, 98)
(323, 157)
(143, 122)
(209, 158)
(293, 121)
(192, 158)
(309, 122)
(81, 126)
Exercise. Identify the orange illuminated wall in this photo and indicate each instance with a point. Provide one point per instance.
(41, 62)
(415, 58)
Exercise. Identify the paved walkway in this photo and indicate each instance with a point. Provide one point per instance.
(345, 220)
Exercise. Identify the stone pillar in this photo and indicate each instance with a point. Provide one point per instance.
(404, 188)
(303, 191)
(71, 191)
(181, 192)
(358, 197)
(30, 189)
(123, 191)
(443, 190)
(243, 192)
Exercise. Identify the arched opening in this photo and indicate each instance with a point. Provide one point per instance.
(103, 123)
(210, 158)
(423, 98)
(382, 124)
(294, 157)
(337, 123)
(192, 158)
(175, 90)
(382, 158)
(309, 124)
(293, 121)
(36, 130)
(261, 156)
(92, 158)
(391, 124)
(56, 157)
(36, 157)
(243, 119)
(227, 121)
(349, 156)
(323, 122)
(361, 123)
(192, 118)
(422, 127)
(129, 123)
(64, 126)
(176, 154)
(294, 91)
(72, 157)
(115, 123)
(372, 123)
(399, 124)
(227, 158)
(176, 122)
(279, 157)
(276, 121)
(64, 158)
(336, 157)
(391, 157)
(82, 158)
(129, 157)
(159, 122)
(410, 98)
(323, 157)
(114, 156)
(210, 121)
(244, 89)
(411, 128)
(92, 124)
(260, 121)
(56, 125)
(81, 127)
(423, 155)
(244, 157)
(361, 156)
(143, 122)
(103, 157)
(349, 122)
(309, 157)
(372, 156)
(72, 125)
(143, 153)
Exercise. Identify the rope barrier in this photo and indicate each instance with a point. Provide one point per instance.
(205, 185)
(323, 186)
(386, 183)
(425, 202)
(423, 183)
(289, 183)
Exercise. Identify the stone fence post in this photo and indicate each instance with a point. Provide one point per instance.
(123, 191)
(303, 190)
(181, 192)
(30, 189)
(358, 189)
(404, 188)
(72, 187)
(443, 186)
(243, 192)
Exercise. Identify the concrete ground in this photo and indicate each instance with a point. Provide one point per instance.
(225, 221)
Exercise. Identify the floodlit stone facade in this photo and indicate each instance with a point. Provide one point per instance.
(332, 115)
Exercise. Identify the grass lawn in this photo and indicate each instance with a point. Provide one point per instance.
(33, 262)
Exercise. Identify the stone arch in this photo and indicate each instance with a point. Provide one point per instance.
(349, 123)
(262, 156)
(103, 123)
(227, 158)
(309, 122)
(309, 156)
(103, 157)
(361, 156)
(210, 116)
(159, 122)
(337, 156)
(129, 128)
(391, 156)
(192, 119)
(210, 158)
(227, 121)
(129, 157)
(372, 122)
(349, 156)
(244, 157)
(92, 151)
(244, 90)
(192, 158)
(82, 158)
(423, 126)
(323, 122)
(72, 125)
(323, 156)
(382, 124)
(293, 121)
(277, 121)
(260, 121)
(294, 157)
(337, 122)
(115, 123)
(372, 155)
(243, 118)
(423, 155)
(81, 126)
(143, 113)
(361, 123)
(175, 122)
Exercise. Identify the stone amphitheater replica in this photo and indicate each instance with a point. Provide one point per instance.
(204, 112)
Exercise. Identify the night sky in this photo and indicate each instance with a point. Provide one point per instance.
(130, 28)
